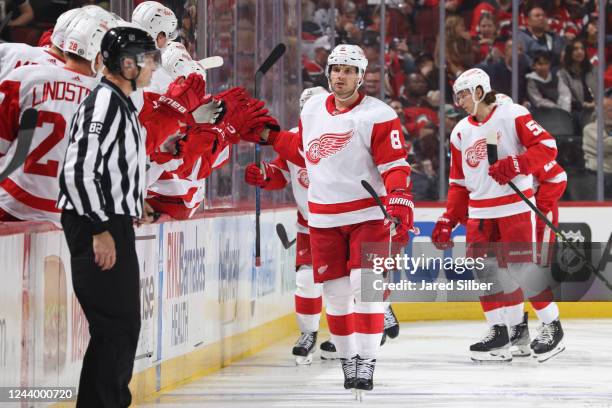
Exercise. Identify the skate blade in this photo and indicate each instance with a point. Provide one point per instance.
(494, 356)
(547, 356)
(358, 394)
(521, 351)
(392, 333)
(303, 360)
(329, 355)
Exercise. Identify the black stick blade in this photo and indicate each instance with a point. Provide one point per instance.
(27, 126)
(274, 56)
(282, 235)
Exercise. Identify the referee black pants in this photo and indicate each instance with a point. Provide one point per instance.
(111, 303)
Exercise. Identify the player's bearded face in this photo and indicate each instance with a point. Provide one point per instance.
(343, 80)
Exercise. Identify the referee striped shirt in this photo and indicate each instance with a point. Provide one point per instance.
(104, 169)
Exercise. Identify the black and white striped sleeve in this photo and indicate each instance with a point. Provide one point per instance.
(93, 131)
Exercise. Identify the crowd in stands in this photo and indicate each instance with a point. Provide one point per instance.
(558, 63)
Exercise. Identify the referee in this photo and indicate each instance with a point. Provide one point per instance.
(102, 187)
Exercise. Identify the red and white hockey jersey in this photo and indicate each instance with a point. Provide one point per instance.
(517, 134)
(189, 189)
(363, 142)
(15, 55)
(298, 177)
(552, 172)
(31, 191)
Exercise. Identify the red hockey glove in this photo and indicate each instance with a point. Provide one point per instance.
(255, 176)
(504, 170)
(441, 234)
(185, 95)
(400, 206)
(250, 123)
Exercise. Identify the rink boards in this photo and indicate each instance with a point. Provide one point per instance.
(203, 303)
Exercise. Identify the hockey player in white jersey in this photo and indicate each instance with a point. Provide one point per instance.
(176, 184)
(347, 137)
(31, 191)
(15, 55)
(308, 294)
(495, 212)
(161, 24)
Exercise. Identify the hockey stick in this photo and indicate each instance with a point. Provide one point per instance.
(274, 56)
(27, 125)
(376, 198)
(211, 62)
(492, 157)
(282, 235)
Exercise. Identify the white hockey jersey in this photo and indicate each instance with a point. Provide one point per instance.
(517, 133)
(15, 55)
(298, 177)
(363, 142)
(31, 191)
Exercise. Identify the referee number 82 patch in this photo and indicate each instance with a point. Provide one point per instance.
(95, 127)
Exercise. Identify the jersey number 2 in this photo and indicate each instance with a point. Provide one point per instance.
(50, 167)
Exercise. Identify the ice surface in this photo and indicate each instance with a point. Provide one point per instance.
(426, 366)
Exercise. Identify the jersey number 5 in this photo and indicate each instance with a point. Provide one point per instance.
(33, 165)
(396, 142)
(535, 127)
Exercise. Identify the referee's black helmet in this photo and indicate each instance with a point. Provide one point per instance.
(127, 42)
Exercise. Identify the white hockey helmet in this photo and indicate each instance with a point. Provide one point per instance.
(155, 18)
(84, 36)
(309, 93)
(63, 22)
(176, 61)
(98, 12)
(470, 80)
(347, 54)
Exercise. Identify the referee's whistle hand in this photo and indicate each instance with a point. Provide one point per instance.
(104, 250)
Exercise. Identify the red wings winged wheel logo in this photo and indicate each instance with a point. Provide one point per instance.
(475, 153)
(327, 145)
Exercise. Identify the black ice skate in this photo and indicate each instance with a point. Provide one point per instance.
(519, 337)
(365, 376)
(383, 339)
(328, 350)
(494, 347)
(391, 323)
(349, 368)
(304, 348)
(549, 341)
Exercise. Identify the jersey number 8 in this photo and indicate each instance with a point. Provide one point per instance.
(396, 142)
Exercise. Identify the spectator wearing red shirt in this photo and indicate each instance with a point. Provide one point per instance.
(418, 108)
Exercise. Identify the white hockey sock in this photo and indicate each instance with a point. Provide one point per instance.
(308, 300)
(340, 317)
(369, 320)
